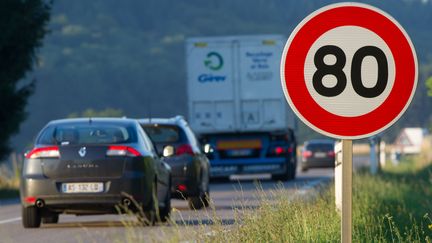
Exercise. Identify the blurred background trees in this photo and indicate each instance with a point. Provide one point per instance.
(130, 54)
(22, 28)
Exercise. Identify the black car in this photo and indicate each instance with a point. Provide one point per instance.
(190, 166)
(93, 166)
(318, 153)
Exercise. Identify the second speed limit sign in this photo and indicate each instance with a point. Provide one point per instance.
(349, 70)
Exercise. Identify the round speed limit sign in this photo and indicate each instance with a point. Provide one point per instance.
(349, 70)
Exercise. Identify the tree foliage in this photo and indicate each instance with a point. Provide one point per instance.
(429, 85)
(22, 25)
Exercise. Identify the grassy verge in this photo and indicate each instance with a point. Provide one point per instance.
(8, 187)
(394, 206)
(6, 193)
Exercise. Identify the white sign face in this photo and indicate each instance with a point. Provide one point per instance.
(349, 70)
(350, 39)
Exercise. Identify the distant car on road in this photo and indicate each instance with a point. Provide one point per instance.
(317, 153)
(190, 166)
(90, 166)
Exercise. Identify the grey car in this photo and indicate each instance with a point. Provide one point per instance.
(317, 153)
(94, 166)
(190, 166)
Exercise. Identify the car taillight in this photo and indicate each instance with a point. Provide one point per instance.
(279, 150)
(184, 149)
(45, 152)
(30, 200)
(182, 187)
(331, 153)
(122, 151)
(307, 154)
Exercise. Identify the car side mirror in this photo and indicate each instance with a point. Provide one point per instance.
(168, 151)
(207, 148)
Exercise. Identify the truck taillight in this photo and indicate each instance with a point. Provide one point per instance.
(184, 149)
(307, 154)
(45, 152)
(331, 153)
(279, 150)
(122, 151)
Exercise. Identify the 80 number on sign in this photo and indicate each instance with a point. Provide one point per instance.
(336, 70)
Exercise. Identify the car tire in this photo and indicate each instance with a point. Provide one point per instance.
(203, 197)
(304, 168)
(52, 219)
(31, 217)
(164, 212)
(148, 216)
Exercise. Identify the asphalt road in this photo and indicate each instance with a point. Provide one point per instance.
(229, 199)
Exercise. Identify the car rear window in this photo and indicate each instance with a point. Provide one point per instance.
(163, 134)
(65, 134)
(320, 146)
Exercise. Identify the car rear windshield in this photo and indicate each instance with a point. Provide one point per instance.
(163, 134)
(320, 146)
(85, 133)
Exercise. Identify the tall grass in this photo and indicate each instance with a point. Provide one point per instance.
(10, 176)
(393, 206)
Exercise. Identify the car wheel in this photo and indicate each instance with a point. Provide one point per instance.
(203, 197)
(52, 219)
(148, 216)
(164, 212)
(206, 198)
(31, 217)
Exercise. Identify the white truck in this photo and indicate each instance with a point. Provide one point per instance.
(237, 106)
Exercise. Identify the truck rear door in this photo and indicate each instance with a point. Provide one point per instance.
(261, 100)
(211, 85)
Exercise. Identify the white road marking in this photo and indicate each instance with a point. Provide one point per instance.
(9, 220)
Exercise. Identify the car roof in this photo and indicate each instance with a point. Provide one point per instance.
(124, 121)
(178, 120)
(320, 141)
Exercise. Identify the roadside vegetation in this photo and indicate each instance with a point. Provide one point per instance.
(8, 188)
(393, 206)
(9, 178)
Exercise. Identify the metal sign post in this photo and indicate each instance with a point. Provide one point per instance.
(346, 188)
(343, 187)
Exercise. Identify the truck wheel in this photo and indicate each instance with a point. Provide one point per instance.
(289, 173)
(52, 219)
(293, 169)
(31, 217)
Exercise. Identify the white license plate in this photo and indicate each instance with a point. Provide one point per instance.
(240, 152)
(320, 155)
(89, 187)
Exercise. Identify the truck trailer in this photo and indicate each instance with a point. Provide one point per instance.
(237, 107)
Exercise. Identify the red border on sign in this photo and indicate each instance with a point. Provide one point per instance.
(405, 67)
